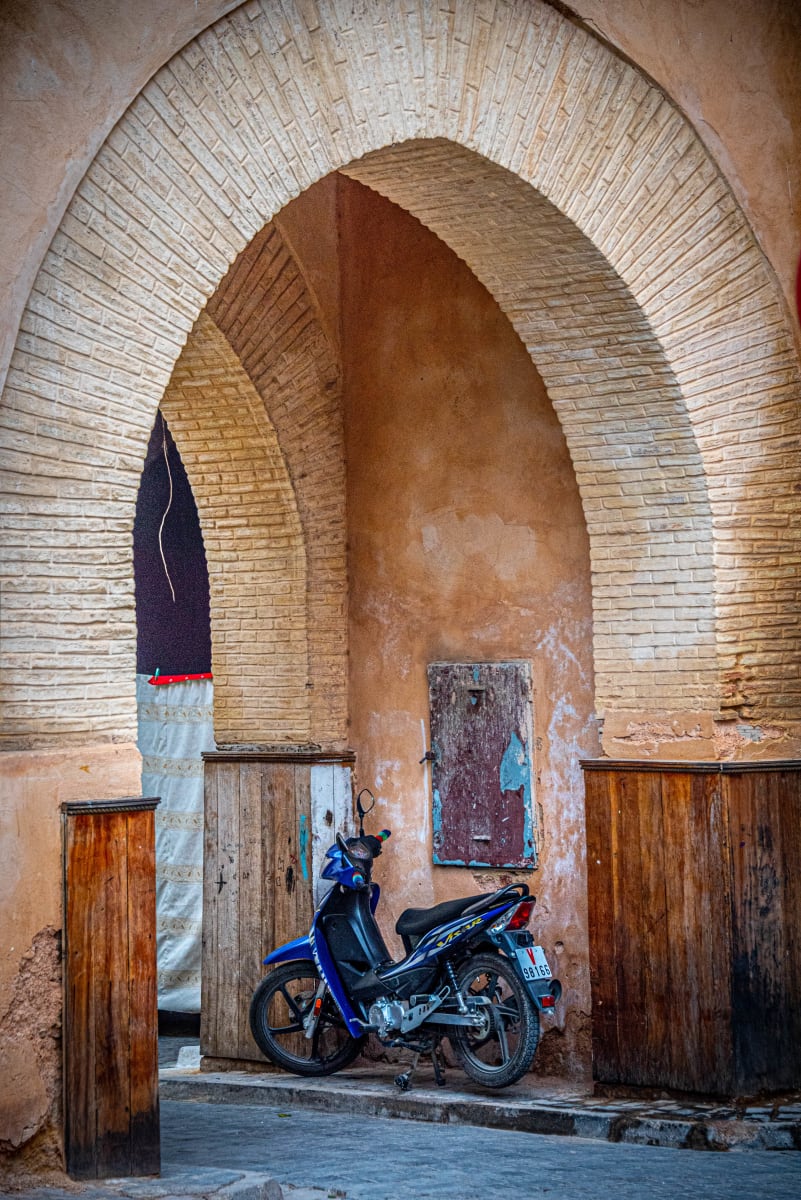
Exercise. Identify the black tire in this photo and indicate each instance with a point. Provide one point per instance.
(278, 1009)
(501, 1052)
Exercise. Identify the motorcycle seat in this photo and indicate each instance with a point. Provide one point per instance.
(415, 922)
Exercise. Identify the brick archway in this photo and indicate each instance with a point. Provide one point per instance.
(671, 287)
(253, 539)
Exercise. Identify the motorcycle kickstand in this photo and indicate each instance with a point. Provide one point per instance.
(404, 1081)
(438, 1063)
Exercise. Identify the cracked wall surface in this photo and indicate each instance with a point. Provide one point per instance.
(676, 192)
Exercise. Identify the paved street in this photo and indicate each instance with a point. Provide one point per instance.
(370, 1158)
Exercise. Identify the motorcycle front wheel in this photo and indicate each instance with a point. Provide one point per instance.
(279, 1009)
(502, 1050)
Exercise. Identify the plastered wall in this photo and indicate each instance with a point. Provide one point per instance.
(32, 788)
(467, 543)
(727, 85)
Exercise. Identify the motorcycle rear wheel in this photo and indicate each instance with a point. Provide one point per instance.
(281, 1004)
(501, 1052)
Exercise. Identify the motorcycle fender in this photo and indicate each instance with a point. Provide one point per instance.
(299, 948)
(539, 988)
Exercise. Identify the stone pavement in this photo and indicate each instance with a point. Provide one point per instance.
(532, 1106)
(265, 1151)
(240, 1136)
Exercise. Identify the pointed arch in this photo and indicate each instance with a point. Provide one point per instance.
(273, 98)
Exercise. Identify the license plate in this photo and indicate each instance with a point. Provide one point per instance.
(533, 963)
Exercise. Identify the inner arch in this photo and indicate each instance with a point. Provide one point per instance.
(638, 467)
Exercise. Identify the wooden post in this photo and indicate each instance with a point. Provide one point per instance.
(269, 815)
(694, 888)
(111, 1107)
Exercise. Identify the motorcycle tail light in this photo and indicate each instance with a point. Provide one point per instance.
(547, 1001)
(522, 914)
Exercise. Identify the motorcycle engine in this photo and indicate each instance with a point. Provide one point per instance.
(386, 1016)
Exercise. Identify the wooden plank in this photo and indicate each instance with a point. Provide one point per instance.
(111, 1032)
(227, 908)
(285, 754)
(208, 965)
(652, 1055)
(251, 898)
(304, 892)
(143, 991)
(764, 814)
(80, 1117)
(634, 792)
(286, 874)
(110, 1029)
(267, 942)
(602, 927)
(286, 784)
(790, 818)
(698, 894)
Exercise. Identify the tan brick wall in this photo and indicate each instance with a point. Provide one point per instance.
(265, 309)
(253, 539)
(273, 98)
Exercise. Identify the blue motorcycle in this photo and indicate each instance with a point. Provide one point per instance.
(471, 973)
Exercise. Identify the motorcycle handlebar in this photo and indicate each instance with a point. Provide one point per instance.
(359, 853)
(376, 843)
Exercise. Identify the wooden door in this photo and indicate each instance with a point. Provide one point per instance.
(269, 817)
(694, 890)
(659, 914)
(111, 1106)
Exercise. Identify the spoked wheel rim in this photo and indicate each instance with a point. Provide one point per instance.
(501, 1050)
(290, 1005)
(281, 1007)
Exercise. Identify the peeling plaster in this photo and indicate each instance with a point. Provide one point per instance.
(30, 1049)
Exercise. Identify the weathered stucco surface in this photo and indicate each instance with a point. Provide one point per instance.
(467, 543)
(732, 67)
(68, 70)
(32, 787)
(30, 1059)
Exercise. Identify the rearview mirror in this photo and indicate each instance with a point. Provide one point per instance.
(362, 810)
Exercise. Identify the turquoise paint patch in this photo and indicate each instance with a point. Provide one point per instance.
(516, 774)
(516, 769)
(303, 845)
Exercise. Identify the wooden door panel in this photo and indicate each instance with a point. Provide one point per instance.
(694, 877)
(259, 862)
(111, 1118)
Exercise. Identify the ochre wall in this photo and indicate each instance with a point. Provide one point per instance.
(68, 70)
(32, 787)
(732, 67)
(467, 543)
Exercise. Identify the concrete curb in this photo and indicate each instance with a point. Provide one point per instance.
(208, 1183)
(658, 1123)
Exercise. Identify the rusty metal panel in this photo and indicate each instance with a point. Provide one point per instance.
(481, 738)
